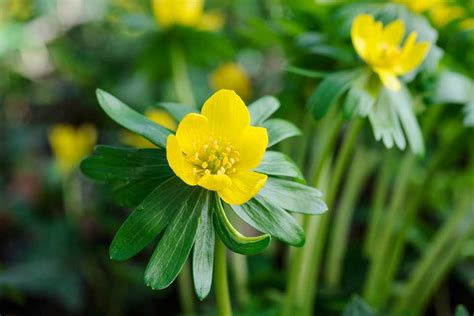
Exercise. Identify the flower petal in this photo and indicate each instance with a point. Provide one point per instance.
(193, 130)
(215, 182)
(178, 164)
(393, 32)
(227, 114)
(245, 185)
(253, 144)
(389, 79)
(360, 31)
(412, 59)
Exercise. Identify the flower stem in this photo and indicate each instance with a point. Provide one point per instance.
(182, 84)
(221, 284)
(185, 290)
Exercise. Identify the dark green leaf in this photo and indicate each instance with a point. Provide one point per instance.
(176, 110)
(175, 246)
(132, 193)
(278, 164)
(271, 219)
(329, 90)
(203, 252)
(293, 196)
(131, 119)
(234, 240)
(263, 108)
(279, 130)
(357, 307)
(112, 163)
(150, 218)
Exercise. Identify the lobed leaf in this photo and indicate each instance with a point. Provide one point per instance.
(293, 196)
(262, 109)
(279, 130)
(131, 119)
(175, 246)
(203, 251)
(150, 218)
(269, 218)
(234, 240)
(278, 164)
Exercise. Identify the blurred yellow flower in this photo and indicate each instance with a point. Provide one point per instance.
(186, 13)
(467, 24)
(232, 76)
(218, 149)
(70, 144)
(380, 48)
(158, 116)
(441, 11)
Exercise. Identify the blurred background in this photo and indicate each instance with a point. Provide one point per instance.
(56, 225)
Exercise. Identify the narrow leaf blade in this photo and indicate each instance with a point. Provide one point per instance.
(279, 130)
(263, 108)
(277, 164)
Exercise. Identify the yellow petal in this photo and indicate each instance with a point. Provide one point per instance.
(192, 132)
(232, 76)
(389, 79)
(360, 31)
(162, 118)
(212, 21)
(393, 32)
(413, 58)
(215, 182)
(227, 114)
(183, 12)
(245, 185)
(178, 164)
(252, 147)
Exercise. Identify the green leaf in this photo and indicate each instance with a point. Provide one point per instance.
(403, 104)
(269, 218)
(234, 240)
(357, 102)
(385, 122)
(113, 163)
(357, 307)
(279, 130)
(263, 108)
(293, 196)
(131, 119)
(203, 252)
(176, 110)
(175, 246)
(132, 193)
(329, 90)
(150, 218)
(452, 87)
(461, 310)
(277, 164)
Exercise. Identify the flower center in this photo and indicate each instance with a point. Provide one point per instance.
(214, 157)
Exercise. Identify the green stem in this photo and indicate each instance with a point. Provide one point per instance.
(361, 166)
(182, 84)
(185, 290)
(220, 280)
(382, 185)
(313, 256)
(240, 272)
(437, 259)
(72, 196)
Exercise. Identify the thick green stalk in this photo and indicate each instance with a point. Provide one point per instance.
(382, 185)
(221, 283)
(240, 273)
(72, 196)
(361, 167)
(437, 259)
(331, 125)
(312, 257)
(185, 290)
(182, 84)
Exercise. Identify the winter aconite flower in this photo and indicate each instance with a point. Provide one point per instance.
(218, 149)
(158, 116)
(380, 48)
(232, 76)
(70, 144)
(186, 13)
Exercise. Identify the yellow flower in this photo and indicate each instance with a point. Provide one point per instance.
(419, 6)
(158, 116)
(467, 24)
(218, 149)
(380, 48)
(186, 13)
(70, 144)
(232, 76)
(441, 11)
